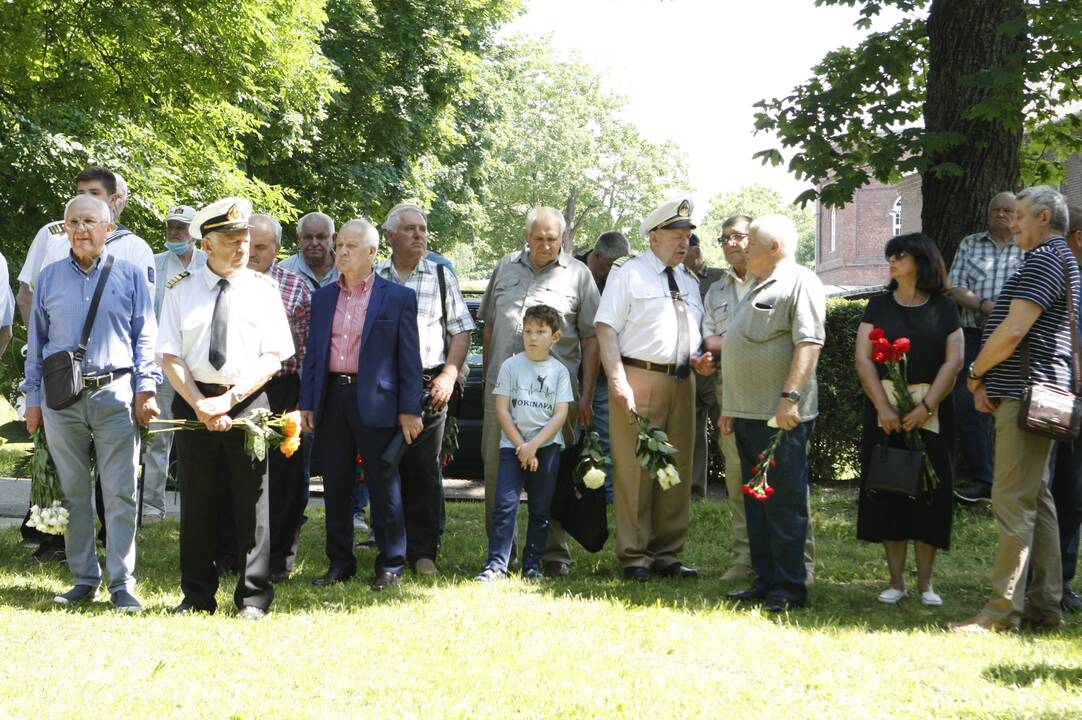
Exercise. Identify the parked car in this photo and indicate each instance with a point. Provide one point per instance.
(467, 463)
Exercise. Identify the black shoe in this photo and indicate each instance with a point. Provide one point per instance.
(333, 577)
(186, 608)
(974, 492)
(677, 570)
(638, 574)
(384, 580)
(49, 553)
(1070, 602)
(279, 576)
(750, 595)
(777, 604)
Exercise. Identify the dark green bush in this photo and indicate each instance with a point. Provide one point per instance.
(835, 445)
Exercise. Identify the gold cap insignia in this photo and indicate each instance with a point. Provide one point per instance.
(234, 213)
(684, 210)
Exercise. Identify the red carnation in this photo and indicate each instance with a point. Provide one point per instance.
(876, 334)
(773, 463)
(762, 456)
(755, 470)
(901, 345)
(878, 357)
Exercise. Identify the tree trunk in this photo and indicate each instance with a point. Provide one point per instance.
(962, 41)
(569, 218)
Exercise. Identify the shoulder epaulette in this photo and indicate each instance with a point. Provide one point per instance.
(619, 262)
(267, 279)
(56, 228)
(176, 278)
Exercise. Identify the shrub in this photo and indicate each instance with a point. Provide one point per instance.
(835, 446)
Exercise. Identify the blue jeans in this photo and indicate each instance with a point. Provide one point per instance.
(601, 426)
(778, 527)
(975, 429)
(540, 486)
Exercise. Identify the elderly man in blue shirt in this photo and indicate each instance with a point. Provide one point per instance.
(119, 376)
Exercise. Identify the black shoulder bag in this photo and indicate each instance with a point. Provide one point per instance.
(62, 372)
(1046, 409)
(455, 401)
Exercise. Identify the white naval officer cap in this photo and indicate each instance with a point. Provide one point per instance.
(183, 213)
(673, 214)
(227, 215)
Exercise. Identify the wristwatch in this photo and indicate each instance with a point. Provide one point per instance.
(971, 374)
(791, 395)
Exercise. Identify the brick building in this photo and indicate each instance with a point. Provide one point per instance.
(849, 240)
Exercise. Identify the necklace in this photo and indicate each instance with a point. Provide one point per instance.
(899, 300)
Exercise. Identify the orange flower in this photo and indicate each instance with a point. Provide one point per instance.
(291, 426)
(290, 445)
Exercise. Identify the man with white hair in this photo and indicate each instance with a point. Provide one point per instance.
(180, 256)
(443, 326)
(314, 260)
(116, 354)
(649, 329)
(768, 360)
(545, 274)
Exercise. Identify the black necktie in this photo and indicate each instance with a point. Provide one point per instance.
(683, 343)
(218, 326)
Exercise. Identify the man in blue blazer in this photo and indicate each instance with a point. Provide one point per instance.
(360, 385)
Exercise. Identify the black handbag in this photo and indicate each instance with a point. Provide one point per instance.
(454, 403)
(1046, 409)
(62, 372)
(894, 470)
(582, 512)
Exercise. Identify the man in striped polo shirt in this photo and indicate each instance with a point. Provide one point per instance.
(1031, 310)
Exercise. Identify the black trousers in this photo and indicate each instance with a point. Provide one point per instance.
(422, 490)
(206, 460)
(1067, 495)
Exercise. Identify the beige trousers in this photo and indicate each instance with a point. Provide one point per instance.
(1026, 518)
(651, 523)
(556, 549)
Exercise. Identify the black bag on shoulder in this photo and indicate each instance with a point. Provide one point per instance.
(62, 372)
(1046, 409)
(582, 511)
(894, 470)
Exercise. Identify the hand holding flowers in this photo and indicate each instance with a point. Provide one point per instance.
(261, 429)
(47, 513)
(759, 487)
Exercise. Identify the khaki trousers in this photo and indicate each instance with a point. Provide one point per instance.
(733, 481)
(556, 549)
(1026, 516)
(651, 523)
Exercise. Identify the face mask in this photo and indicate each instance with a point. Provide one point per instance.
(178, 247)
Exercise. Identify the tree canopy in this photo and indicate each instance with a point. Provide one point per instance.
(755, 201)
(950, 91)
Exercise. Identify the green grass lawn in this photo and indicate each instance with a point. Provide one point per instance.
(590, 646)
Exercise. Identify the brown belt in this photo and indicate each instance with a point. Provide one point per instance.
(669, 369)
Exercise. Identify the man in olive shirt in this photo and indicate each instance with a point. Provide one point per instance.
(768, 364)
(540, 274)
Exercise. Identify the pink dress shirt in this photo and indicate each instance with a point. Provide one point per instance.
(348, 324)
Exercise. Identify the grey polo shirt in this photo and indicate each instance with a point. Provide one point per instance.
(786, 309)
(564, 284)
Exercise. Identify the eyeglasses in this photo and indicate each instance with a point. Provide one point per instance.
(76, 224)
(899, 256)
(733, 237)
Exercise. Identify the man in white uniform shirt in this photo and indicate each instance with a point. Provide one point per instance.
(223, 334)
(648, 326)
(180, 256)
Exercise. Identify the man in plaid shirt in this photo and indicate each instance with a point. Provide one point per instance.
(983, 263)
(444, 331)
(288, 494)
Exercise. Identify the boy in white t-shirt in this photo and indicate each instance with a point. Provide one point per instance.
(533, 392)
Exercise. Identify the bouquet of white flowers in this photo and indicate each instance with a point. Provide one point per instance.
(592, 461)
(655, 454)
(47, 513)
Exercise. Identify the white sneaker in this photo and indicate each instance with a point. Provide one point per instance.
(930, 598)
(890, 596)
(359, 525)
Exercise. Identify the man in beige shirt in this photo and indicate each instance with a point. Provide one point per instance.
(541, 274)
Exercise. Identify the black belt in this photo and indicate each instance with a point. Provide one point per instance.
(99, 381)
(280, 379)
(669, 369)
(211, 390)
(430, 374)
(343, 378)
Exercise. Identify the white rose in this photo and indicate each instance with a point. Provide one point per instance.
(674, 476)
(594, 479)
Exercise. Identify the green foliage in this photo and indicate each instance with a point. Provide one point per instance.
(835, 447)
(755, 201)
(859, 116)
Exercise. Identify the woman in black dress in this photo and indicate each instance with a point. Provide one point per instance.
(917, 306)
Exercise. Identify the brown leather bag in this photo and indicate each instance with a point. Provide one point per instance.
(1046, 409)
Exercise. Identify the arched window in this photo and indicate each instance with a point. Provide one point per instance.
(896, 217)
